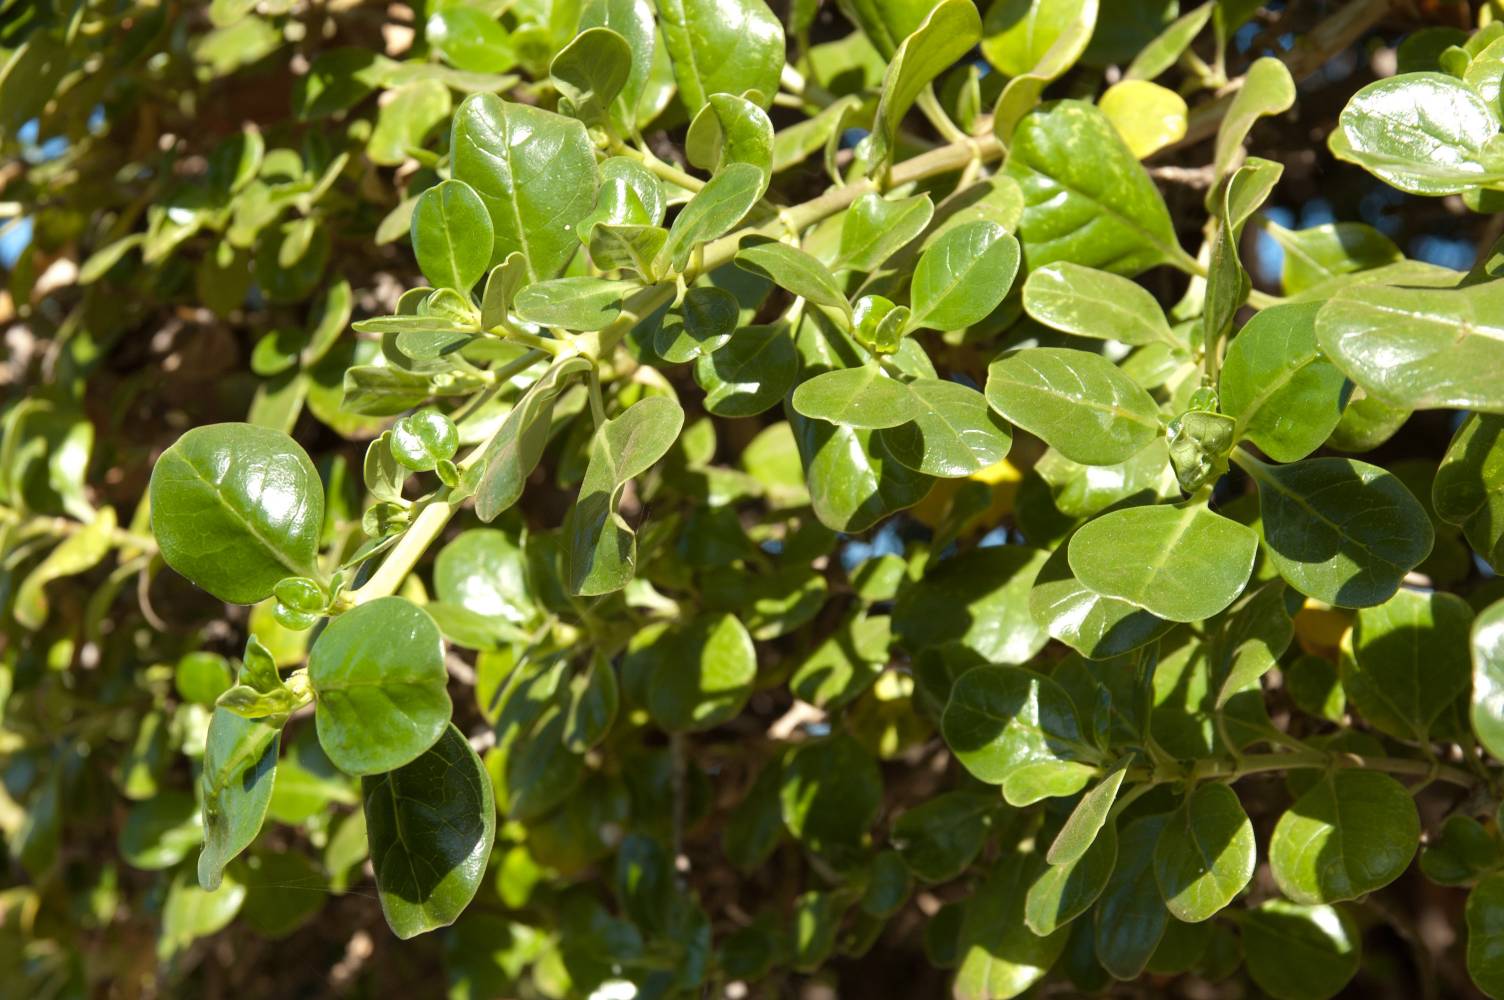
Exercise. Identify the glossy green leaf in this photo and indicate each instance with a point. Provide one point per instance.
(633, 21)
(1131, 916)
(1318, 254)
(470, 39)
(950, 30)
(602, 550)
(1085, 821)
(1147, 116)
(1014, 728)
(1019, 33)
(1424, 133)
(1205, 855)
(940, 837)
(1283, 393)
(240, 765)
(704, 676)
(1096, 304)
(1094, 625)
(951, 433)
(1267, 89)
(1485, 935)
(875, 228)
(715, 210)
(962, 276)
(1162, 53)
(707, 319)
(431, 824)
(1072, 28)
(380, 686)
(1488, 678)
(535, 172)
(235, 508)
(730, 129)
(1419, 348)
(577, 303)
(979, 600)
(1409, 661)
(484, 571)
(999, 956)
(1078, 402)
(792, 270)
(1352, 832)
(831, 792)
(1086, 198)
(591, 71)
(452, 235)
(514, 453)
(1341, 531)
(750, 373)
(1067, 889)
(1469, 486)
(865, 397)
(1299, 952)
(727, 48)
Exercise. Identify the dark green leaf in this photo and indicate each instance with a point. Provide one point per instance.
(1352, 832)
(1205, 855)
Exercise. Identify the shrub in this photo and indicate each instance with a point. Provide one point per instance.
(756, 531)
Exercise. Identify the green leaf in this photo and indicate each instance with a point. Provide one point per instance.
(1072, 36)
(452, 235)
(729, 47)
(999, 956)
(951, 433)
(1485, 935)
(885, 23)
(484, 571)
(866, 397)
(1338, 530)
(1469, 486)
(730, 129)
(235, 508)
(831, 792)
(420, 441)
(240, 765)
(1014, 728)
(1409, 661)
(722, 203)
(979, 600)
(534, 170)
(591, 71)
(1079, 403)
(1097, 304)
(1419, 348)
(703, 675)
(77, 553)
(1463, 852)
(792, 270)
(707, 319)
(1087, 200)
(875, 228)
(1067, 889)
(602, 549)
(575, 303)
(939, 838)
(751, 373)
(190, 912)
(1148, 117)
(514, 452)
(1085, 821)
(1267, 89)
(853, 481)
(1352, 832)
(950, 30)
(1166, 48)
(633, 21)
(1283, 393)
(1488, 678)
(594, 698)
(962, 276)
(1131, 916)
(1299, 952)
(1205, 855)
(431, 824)
(380, 686)
(405, 121)
(470, 39)
(1096, 626)
(1424, 133)
(1019, 33)
(1318, 254)
(159, 832)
